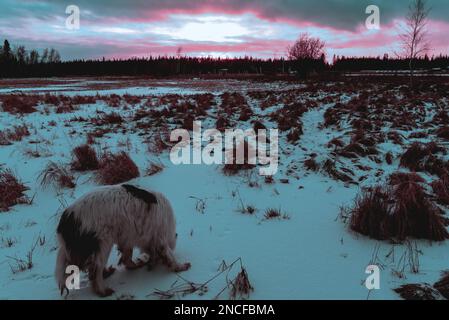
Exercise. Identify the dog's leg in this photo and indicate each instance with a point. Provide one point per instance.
(126, 259)
(107, 272)
(168, 259)
(96, 271)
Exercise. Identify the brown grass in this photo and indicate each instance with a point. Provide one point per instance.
(443, 285)
(57, 175)
(154, 168)
(371, 213)
(19, 103)
(116, 168)
(294, 134)
(441, 190)
(443, 133)
(233, 168)
(417, 292)
(399, 212)
(241, 286)
(11, 190)
(84, 158)
(420, 157)
(17, 133)
(272, 213)
(311, 164)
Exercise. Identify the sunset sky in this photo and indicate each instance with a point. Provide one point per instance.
(261, 28)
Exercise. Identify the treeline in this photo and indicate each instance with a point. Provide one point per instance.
(386, 63)
(19, 62)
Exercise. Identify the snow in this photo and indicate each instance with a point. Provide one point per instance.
(311, 255)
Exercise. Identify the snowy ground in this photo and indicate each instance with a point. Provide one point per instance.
(311, 255)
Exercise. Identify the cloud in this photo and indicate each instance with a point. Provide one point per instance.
(223, 27)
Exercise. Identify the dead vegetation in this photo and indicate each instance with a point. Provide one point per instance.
(116, 168)
(422, 157)
(11, 190)
(399, 212)
(84, 158)
(417, 292)
(442, 285)
(23, 264)
(57, 175)
(241, 157)
(424, 291)
(273, 213)
(19, 103)
(238, 287)
(154, 168)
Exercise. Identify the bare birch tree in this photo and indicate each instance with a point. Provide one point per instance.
(415, 37)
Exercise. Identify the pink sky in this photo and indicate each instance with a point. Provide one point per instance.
(219, 28)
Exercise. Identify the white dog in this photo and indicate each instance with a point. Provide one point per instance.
(123, 215)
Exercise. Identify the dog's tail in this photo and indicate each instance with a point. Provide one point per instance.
(62, 262)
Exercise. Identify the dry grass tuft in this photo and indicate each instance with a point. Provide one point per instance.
(399, 212)
(443, 285)
(417, 292)
(116, 168)
(232, 167)
(19, 103)
(11, 190)
(57, 175)
(241, 286)
(154, 168)
(85, 158)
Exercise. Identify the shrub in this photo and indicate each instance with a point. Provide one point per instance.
(116, 168)
(11, 190)
(84, 158)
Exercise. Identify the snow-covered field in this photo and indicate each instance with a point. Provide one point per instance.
(310, 253)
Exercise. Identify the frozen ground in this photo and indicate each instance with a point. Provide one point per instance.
(311, 255)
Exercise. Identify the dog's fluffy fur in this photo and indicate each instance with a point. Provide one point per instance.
(123, 215)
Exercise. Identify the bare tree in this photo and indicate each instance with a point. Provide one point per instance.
(306, 47)
(414, 39)
(307, 53)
